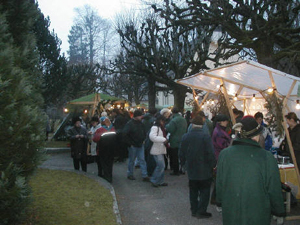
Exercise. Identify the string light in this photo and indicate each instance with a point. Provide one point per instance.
(297, 105)
(253, 98)
(66, 110)
(218, 86)
(212, 102)
(235, 97)
(270, 90)
(85, 111)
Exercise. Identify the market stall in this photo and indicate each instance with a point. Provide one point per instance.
(247, 81)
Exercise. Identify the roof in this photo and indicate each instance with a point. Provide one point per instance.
(244, 78)
(90, 99)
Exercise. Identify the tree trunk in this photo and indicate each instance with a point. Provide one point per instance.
(179, 92)
(151, 93)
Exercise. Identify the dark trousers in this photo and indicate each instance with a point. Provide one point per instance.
(82, 161)
(174, 163)
(199, 195)
(105, 165)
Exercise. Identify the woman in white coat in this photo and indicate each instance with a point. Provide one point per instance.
(158, 150)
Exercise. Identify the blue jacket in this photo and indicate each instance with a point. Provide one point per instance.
(197, 153)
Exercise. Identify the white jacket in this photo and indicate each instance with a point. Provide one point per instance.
(158, 139)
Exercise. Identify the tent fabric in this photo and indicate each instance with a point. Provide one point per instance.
(244, 78)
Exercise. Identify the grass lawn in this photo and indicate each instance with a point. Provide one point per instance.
(63, 198)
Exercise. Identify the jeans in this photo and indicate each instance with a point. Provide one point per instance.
(199, 195)
(136, 152)
(159, 171)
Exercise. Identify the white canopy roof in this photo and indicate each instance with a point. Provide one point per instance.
(244, 78)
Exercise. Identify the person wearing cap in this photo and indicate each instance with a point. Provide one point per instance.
(294, 132)
(79, 141)
(105, 137)
(248, 180)
(135, 135)
(176, 128)
(196, 152)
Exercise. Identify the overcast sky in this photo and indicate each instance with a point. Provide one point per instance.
(61, 13)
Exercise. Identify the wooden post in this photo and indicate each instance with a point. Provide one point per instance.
(228, 103)
(204, 99)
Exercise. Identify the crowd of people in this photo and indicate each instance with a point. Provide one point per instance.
(236, 160)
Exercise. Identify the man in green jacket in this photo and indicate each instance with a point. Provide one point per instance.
(248, 181)
(176, 128)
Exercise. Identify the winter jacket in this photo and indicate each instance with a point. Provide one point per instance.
(157, 137)
(177, 128)
(78, 145)
(134, 133)
(220, 139)
(248, 184)
(196, 151)
(148, 121)
(105, 137)
(295, 139)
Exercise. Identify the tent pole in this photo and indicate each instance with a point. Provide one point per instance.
(288, 138)
(228, 103)
(204, 99)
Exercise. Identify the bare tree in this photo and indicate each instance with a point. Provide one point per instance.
(90, 37)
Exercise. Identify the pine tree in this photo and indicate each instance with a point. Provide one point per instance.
(21, 119)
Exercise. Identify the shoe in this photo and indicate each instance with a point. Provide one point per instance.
(131, 178)
(137, 166)
(163, 184)
(203, 215)
(146, 179)
(155, 185)
(174, 174)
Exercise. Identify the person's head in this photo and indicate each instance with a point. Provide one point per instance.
(165, 112)
(237, 113)
(115, 112)
(94, 121)
(76, 121)
(198, 120)
(175, 110)
(222, 119)
(291, 119)
(160, 121)
(152, 111)
(138, 114)
(104, 113)
(105, 121)
(259, 117)
(248, 128)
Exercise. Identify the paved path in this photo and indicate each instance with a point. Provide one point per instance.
(139, 202)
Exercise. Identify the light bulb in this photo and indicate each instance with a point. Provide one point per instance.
(235, 97)
(253, 98)
(270, 90)
(297, 105)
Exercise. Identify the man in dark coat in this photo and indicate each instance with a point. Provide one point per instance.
(134, 135)
(248, 181)
(197, 153)
(79, 139)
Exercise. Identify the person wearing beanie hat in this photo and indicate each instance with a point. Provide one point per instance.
(134, 135)
(79, 140)
(196, 152)
(248, 181)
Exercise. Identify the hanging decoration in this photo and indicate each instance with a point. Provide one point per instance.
(274, 115)
(219, 106)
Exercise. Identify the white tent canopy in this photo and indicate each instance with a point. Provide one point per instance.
(244, 79)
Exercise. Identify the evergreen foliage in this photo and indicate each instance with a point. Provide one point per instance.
(21, 120)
